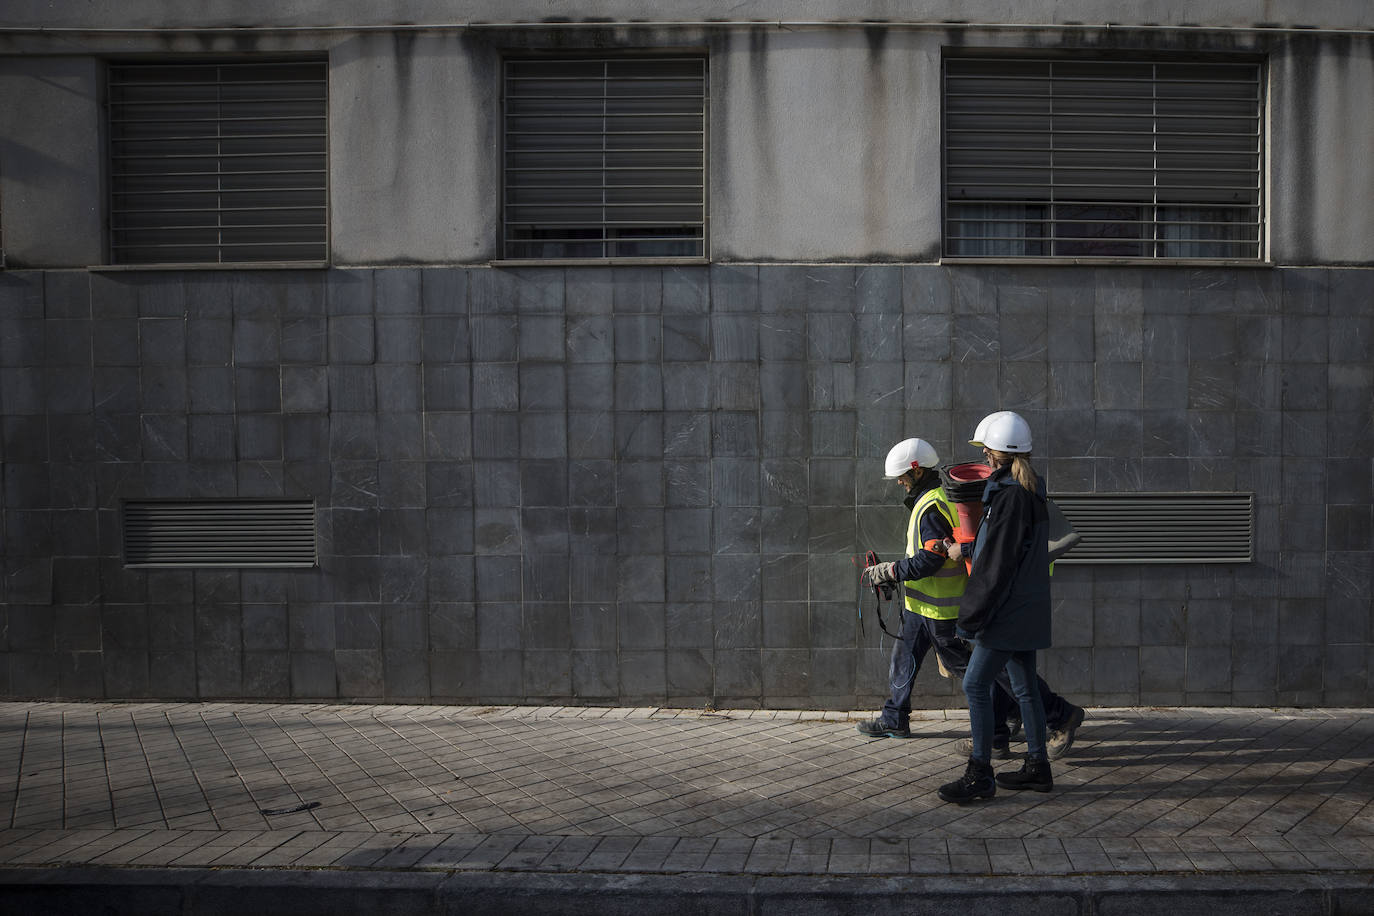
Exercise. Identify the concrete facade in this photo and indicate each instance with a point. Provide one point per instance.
(415, 126)
(643, 483)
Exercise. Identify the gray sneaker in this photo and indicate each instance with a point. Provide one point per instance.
(877, 728)
(1061, 739)
(1001, 748)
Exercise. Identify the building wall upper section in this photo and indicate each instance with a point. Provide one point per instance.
(163, 14)
(824, 141)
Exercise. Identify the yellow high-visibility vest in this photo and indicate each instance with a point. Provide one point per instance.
(937, 595)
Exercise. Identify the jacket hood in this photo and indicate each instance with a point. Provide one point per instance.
(1001, 478)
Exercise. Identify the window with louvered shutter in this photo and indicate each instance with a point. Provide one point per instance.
(1103, 159)
(218, 162)
(605, 158)
(219, 532)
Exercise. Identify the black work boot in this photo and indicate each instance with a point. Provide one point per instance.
(977, 782)
(1034, 774)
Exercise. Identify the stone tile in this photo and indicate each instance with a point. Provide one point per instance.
(610, 853)
(686, 290)
(397, 290)
(448, 339)
(494, 338)
(589, 291)
(1087, 855)
(1126, 855)
(734, 288)
(534, 290)
(734, 337)
(436, 290)
(831, 337)
(735, 386)
(640, 386)
(529, 854)
(398, 339)
(685, 386)
(590, 339)
(542, 337)
(1009, 856)
(638, 338)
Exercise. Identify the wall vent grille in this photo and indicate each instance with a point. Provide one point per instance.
(1160, 527)
(233, 532)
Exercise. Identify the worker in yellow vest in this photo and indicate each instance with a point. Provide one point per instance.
(933, 585)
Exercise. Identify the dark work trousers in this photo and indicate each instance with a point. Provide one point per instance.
(919, 636)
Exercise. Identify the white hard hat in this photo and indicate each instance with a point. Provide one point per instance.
(982, 429)
(908, 454)
(1003, 431)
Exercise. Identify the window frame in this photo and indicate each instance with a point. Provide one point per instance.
(1149, 223)
(323, 243)
(506, 257)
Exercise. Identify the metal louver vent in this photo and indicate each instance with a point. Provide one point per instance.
(238, 532)
(1160, 527)
(218, 162)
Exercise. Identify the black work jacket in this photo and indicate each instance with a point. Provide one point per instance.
(1007, 602)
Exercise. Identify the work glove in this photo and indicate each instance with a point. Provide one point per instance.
(881, 574)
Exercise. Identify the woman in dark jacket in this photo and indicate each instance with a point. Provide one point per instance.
(1005, 609)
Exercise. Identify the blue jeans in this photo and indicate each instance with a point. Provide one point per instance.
(980, 680)
(921, 635)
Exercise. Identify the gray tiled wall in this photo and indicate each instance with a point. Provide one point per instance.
(645, 485)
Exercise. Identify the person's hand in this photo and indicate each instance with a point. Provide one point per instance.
(956, 550)
(881, 574)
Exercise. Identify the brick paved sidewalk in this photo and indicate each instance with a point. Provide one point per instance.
(1221, 792)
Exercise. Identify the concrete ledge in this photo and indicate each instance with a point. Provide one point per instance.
(202, 892)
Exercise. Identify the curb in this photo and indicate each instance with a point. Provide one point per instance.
(202, 892)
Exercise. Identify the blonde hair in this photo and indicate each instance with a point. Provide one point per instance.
(1020, 468)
